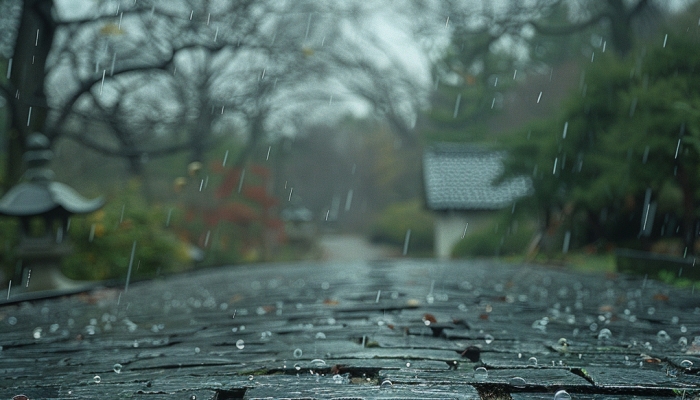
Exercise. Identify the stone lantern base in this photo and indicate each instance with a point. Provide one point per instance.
(41, 265)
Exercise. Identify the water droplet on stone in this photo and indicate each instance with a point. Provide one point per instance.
(337, 379)
(240, 344)
(318, 362)
(408, 365)
(320, 335)
(193, 397)
(297, 367)
(532, 361)
(663, 337)
(517, 382)
(686, 364)
(297, 353)
(481, 374)
(96, 379)
(488, 339)
(386, 385)
(117, 368)
(251, 377)
(37, 333)
(604, 334)
(197, 350)
(12, 320)
(562, 395)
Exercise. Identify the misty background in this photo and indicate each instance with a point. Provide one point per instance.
(223, 132)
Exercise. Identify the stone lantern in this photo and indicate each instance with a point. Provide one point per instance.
(43, 207)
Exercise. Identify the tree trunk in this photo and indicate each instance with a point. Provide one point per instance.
(29, 106)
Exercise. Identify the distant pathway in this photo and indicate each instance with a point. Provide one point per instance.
(350, 247)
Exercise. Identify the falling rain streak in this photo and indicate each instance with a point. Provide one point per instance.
(9, 68)
(465, 230)
(29, 116)
(348, 200)
(456, 110)
(405, 241)
(566, 128)
(567, 241)
(539, 97)
(131, 264)
(240, 180)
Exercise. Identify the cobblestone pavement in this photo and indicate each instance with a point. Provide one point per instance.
(395, 329)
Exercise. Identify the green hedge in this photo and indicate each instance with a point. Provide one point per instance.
(503, 237)
(397, 219)
(103, 240)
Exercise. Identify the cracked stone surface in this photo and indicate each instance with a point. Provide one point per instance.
(396, 328)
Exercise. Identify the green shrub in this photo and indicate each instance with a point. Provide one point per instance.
(397, 219)
(502, 237)
(103, 240)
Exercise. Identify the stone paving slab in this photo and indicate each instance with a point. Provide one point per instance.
(341, 330)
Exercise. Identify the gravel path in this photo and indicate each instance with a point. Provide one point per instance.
(353, 248)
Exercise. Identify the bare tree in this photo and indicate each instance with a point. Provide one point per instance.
(124, 62)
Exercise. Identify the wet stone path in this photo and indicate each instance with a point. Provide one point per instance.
(395, 329)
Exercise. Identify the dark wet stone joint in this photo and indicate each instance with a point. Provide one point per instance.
(393, 329)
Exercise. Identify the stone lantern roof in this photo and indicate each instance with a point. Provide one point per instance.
(39, 195)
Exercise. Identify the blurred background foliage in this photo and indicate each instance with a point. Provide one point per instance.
(597, 101)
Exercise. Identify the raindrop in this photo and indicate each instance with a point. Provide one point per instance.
(297, 367)
(197, 350)
(562, 395)
(406, 239)
(320, 335)
(337, 379)
(37, 333)
(117, 368)
(297, 353)
(517, 382)
(456, 110)
(488, 339)
(532, 360)
(665, 39)
(481, 374)
(251, 377)
(539, 97)
(386, 385)
(684, 329)
(318, 362)
(240, 344)
(663, 337)
(686, 364)
(408, 365)
(604, 334)
(193, 397)
(96, 379)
